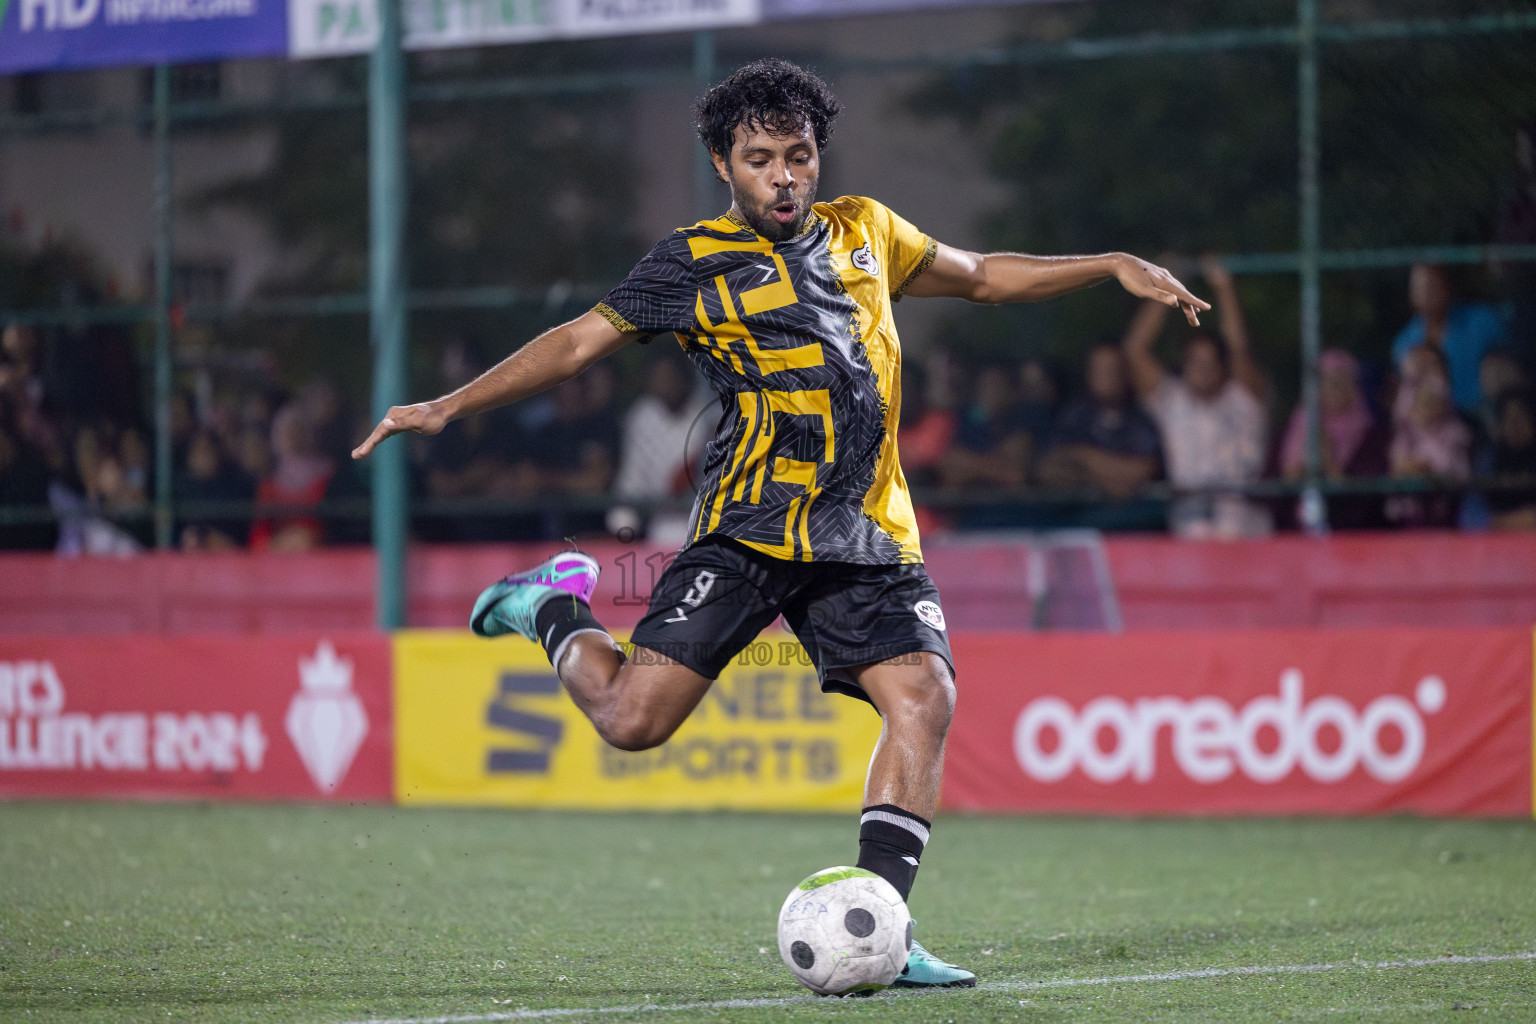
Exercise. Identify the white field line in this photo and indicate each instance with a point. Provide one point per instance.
(1228, 972)
(993, 986)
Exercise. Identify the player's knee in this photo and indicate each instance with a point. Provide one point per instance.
(940, 701)
(928, 703)
(636, 732)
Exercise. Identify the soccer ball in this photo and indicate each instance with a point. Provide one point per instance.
(844, 930)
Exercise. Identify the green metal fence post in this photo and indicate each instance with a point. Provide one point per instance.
(706, 190)
(1314, 510)
(387, 319)
(161, 100)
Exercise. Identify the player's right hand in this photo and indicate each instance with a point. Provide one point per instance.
(422, 418)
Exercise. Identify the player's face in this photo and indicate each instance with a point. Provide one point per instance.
(773, 179)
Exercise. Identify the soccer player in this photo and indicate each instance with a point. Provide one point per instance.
(784, 304)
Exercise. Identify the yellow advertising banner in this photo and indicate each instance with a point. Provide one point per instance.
(486, 722)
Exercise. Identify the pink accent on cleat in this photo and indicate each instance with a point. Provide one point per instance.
(572, 571)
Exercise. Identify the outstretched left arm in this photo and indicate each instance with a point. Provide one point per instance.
(1014, 277)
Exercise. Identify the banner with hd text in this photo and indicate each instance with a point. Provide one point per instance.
(488, 723)
(1340, 721)
(37, 35)
(299, 717)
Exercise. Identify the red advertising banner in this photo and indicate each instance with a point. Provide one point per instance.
(299, 716)
(1347, 721)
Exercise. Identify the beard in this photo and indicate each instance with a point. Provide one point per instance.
(761, 218)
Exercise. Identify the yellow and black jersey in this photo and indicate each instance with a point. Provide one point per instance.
(798, 340)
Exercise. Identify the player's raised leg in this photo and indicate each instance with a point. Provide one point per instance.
(635, 703)
(916, 700)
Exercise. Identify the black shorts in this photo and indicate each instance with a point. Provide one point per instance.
(717, 596)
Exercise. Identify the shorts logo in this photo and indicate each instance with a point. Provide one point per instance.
(695, 596)
(930, 613)
(864, 259)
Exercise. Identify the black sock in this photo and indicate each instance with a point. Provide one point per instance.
(561, 618)
(891, 843)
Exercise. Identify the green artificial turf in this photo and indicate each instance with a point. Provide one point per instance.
(149, 912)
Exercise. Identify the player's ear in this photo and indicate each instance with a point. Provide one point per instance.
(722, 167)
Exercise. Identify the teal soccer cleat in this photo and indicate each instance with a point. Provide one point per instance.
(924, 970)
(511, 605)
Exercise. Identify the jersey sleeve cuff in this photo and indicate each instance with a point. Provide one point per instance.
(616, 318)
(930, 251)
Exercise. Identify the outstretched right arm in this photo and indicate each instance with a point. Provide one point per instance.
(554, 356)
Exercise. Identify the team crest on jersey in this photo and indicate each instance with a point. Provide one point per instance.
(930, 613)
(864, 259)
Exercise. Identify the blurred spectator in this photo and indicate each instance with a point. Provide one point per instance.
(19, 380)
(1430, 441)
(327, 412)
(472, 458)
(207, 475)
(223, 418)
(1346, 422)
(574, 452)
(21, 389)
(1102, 439)
(183, 423)
(112, 465)
(133, 456)
(105, 490)
(324, 409)
(244, 426)
(1210, 417)
(1517, 226)
(661, 444)
(1499, 371)
(252, 452)
(1462, 331)
(993, 444)
(1039, 392)
(1353, 443)
(256, 409)
(923, 437)
(1514, 461)
(925, 431)
(469, 454)
(299, 479)
(23, 484)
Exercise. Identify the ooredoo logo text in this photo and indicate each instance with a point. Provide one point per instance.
(1326, 738)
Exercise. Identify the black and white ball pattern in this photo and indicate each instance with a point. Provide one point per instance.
(844, 930)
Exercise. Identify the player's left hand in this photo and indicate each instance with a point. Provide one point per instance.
(1150, 281)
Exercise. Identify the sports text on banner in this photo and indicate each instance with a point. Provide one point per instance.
(487, 723)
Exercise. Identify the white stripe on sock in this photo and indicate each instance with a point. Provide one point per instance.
(559, 652)
(899, 820)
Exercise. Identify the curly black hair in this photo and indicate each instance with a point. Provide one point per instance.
(769, 94)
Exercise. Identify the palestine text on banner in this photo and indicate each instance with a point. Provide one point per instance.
(324, 28)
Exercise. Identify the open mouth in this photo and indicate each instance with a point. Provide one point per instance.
(783, 213)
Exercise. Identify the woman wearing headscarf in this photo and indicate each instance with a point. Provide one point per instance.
(1353, 443)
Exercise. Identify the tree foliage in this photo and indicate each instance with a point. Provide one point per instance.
(1197, 153)
(520, 191)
